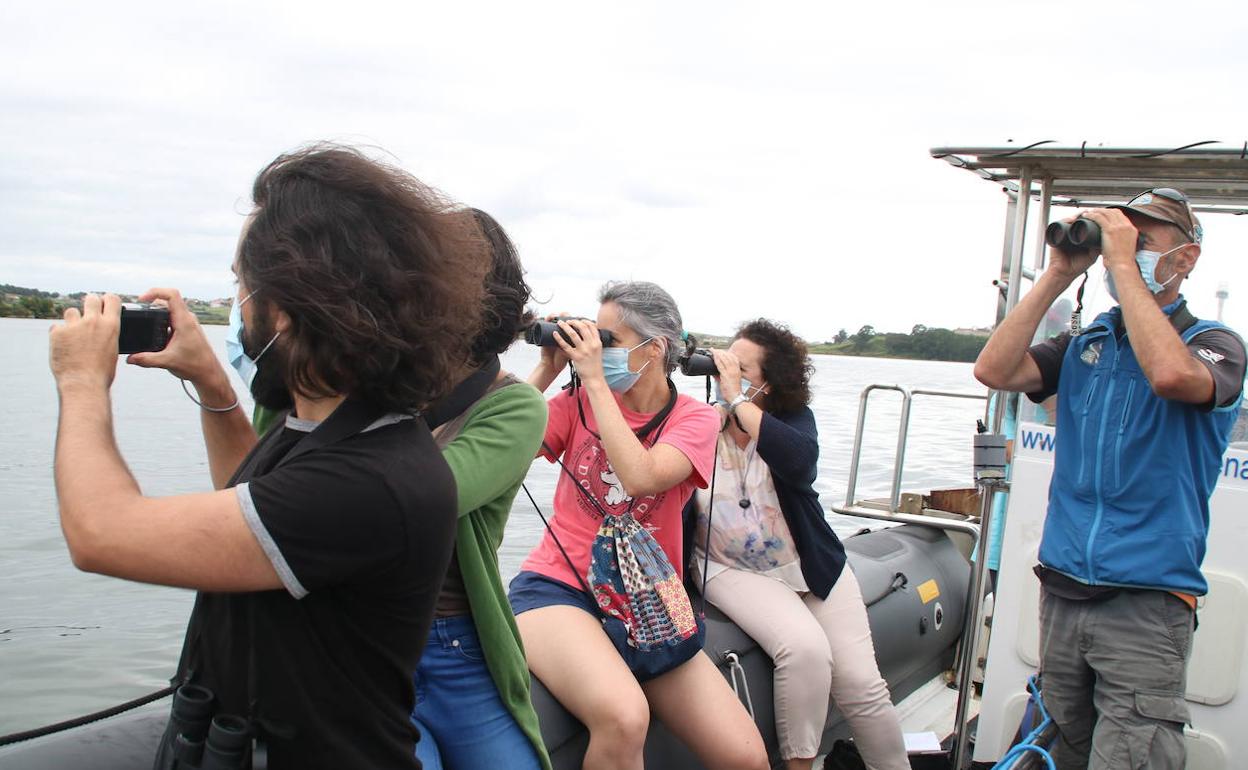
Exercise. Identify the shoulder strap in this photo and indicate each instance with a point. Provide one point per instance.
(446, 432)
(469, 391)
(1182, 318)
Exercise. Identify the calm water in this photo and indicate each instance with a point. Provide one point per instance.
(71, 642)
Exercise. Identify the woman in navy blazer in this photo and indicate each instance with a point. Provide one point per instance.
(775, 566)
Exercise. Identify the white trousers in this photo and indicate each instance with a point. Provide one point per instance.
(820, 647)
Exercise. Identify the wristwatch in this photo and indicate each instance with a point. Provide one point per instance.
(738, 401)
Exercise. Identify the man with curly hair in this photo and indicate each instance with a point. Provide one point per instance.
(319, 556)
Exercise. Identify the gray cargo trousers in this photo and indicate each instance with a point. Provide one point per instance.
(1114, 674)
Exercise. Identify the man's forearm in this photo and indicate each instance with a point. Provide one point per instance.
(1164, 359)
(1003, 355)
(228, 436)
(91, 478)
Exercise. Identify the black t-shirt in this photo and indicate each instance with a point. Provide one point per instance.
(1219, 350)
(360, 532)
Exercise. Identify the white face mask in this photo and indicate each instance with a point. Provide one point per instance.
(244, 364)
(1147, 260)
(746, 387)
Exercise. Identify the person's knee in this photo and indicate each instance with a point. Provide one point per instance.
(623, 726)
(748, 756)
(807, 656)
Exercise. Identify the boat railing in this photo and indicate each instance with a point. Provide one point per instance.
(964, 661)
(893, 512)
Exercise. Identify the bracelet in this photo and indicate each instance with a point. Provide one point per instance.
(205, 407)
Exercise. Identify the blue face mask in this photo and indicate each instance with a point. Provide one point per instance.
(615, 367)
(244, 364)
(746, 387)
(1147, 260)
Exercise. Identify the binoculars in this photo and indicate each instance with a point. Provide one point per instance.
(542, 333)
(1080, 235)
(195, 738)
(698, 363)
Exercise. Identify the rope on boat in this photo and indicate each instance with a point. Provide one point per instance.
(87, 719)
(735, 667)
(1031, 742)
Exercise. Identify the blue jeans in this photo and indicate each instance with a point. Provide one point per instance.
(463, 723)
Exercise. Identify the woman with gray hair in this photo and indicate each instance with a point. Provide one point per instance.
(606, 622)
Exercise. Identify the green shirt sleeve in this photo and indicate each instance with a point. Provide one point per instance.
(262, 419)
(497, 444)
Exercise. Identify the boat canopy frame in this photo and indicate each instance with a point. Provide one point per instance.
(1213, 175)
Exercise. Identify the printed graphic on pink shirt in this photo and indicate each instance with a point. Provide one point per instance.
(593, 472)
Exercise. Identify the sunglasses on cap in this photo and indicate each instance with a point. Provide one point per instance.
(1178, 197)
(1165, 192)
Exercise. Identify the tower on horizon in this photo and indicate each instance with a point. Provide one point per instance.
(1222, 294)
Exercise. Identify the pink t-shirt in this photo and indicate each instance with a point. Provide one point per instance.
(692, 427)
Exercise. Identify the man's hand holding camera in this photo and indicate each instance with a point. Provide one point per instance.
(83, 350)
(188, 355)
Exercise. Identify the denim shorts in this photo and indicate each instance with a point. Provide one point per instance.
(531, 591)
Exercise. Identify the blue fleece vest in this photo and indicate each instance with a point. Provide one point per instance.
(1129, 498)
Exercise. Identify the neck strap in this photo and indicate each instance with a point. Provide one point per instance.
(644, 431)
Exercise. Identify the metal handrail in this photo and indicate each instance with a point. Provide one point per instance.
(903, 435)
(977, 530)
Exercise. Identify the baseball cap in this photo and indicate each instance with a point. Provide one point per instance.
(1166, 204)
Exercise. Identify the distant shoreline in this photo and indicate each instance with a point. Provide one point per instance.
(23, 302)
(921, 344)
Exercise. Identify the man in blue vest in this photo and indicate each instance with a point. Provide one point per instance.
(1146, 398)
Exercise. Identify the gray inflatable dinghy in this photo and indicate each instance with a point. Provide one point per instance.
(914, 582)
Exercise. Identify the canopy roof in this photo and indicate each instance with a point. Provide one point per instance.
(1214, 176)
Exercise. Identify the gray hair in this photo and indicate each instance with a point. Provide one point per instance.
(650, 311)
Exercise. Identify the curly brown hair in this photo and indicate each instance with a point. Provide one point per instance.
(506, 293)
(380, 275)
(786, 363)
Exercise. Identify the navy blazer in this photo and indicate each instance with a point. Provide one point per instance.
(789, 444)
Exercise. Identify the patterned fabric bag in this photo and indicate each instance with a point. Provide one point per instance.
(633, 581)
(646, 610)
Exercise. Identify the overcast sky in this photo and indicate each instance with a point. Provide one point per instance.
(763, 159)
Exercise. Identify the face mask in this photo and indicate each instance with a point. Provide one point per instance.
(746, 386)
(1147, 260)
(235, 346)
(615, 368)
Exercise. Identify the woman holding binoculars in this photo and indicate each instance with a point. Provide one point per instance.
(774, 566)
(606, 622)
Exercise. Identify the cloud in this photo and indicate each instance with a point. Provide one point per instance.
(755, 160)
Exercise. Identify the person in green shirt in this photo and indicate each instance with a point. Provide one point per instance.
(473, 703)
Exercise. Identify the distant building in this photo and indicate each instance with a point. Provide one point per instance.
(974, 332)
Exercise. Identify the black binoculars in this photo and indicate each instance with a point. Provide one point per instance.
(542, 333)
(698, 363)
(1080, 235)
(195, 738)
